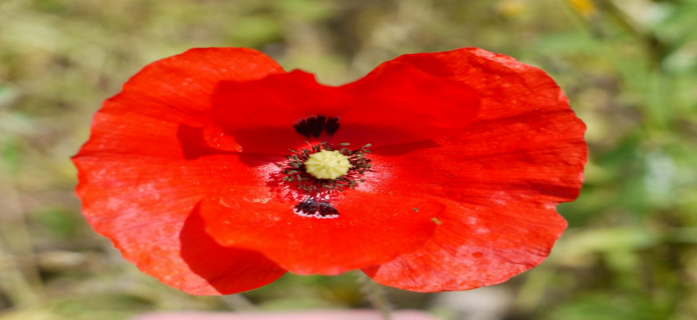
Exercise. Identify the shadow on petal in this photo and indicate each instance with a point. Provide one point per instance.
(228, 270)
(194, 146)
(404, 148)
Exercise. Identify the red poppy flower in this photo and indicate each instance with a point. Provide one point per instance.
(216, 172)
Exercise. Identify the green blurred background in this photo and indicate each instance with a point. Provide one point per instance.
(628, 66)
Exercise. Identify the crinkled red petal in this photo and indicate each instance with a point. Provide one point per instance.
(179, 88)
(475, 245)
(146, 167)
(147, 207)
(372, 228)
(522, 155)
(396, 103)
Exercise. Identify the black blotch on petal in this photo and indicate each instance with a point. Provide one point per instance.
(332, 125)
(326, 209)
(302, 128)
(314, 126)
(319, 209)
(311, 126)
(307, 207)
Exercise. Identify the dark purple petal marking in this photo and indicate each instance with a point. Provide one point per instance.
(313, 126)
(332, 126)
(312, 208)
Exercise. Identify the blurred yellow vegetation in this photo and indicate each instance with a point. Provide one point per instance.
(584, 7)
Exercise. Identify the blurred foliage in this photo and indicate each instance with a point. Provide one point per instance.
(629, 68)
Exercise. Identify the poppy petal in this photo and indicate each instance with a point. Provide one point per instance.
(372, 228)
(526, 143)
(522, 155)
(393, 104)
(138, 204)
(399, 103)
(143, 171)
(179, 88)
(475, 246)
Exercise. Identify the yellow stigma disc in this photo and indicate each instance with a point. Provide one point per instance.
(327, 164)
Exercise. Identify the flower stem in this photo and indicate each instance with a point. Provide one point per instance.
(376, 295)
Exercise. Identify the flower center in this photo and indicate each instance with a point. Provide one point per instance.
(327, 164)
(324, 169)
(321, 171)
